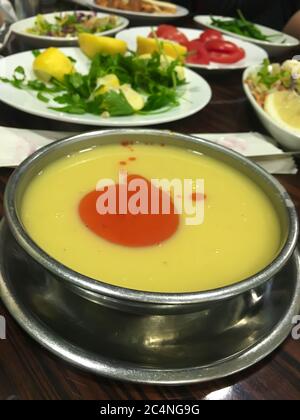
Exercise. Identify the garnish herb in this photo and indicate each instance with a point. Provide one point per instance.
(242, 26)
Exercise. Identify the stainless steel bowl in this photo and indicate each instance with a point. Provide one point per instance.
(143, 326)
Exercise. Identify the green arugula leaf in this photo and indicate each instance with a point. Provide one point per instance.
(161, 100)
(36, 53)
(42, 97)
(116, 104)
(19, 74)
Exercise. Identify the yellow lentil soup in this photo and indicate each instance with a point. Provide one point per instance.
(240, 234)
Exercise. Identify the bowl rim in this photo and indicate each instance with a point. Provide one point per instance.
(76, 280)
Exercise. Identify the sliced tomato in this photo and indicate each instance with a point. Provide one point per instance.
(198, 56)
(202, 59)
(171, 33)
(178, 37)
(211, 35)
(195, 44)
(197, 52)
(165, 29)
(227, 58)
(221, 46)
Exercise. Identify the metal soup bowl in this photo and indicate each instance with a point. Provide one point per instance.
(148, 328)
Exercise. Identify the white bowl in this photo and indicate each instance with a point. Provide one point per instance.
(39, 41)
(286, 138)
(274, 49)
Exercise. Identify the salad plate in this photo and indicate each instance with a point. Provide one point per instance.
(193, 96)
(274, 42)
(61, 29)
(254, 54)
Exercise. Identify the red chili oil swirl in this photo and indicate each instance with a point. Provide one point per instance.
(130, 230)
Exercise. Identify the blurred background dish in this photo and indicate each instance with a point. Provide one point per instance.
(277, 44)
(53, 32)
(173, 13)
(254, 54)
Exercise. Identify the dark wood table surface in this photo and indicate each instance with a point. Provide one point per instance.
(29, 372)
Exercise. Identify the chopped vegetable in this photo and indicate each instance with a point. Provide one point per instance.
(71, 24)
(271, 78)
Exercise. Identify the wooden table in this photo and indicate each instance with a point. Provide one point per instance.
(27, 371)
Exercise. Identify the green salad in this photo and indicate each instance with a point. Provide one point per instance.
(71, 24)
(115, 85)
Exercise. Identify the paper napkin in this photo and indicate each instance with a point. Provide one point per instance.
(17, 144)
(255, 144)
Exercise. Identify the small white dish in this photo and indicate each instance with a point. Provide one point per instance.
(285, 137)
(273, 48)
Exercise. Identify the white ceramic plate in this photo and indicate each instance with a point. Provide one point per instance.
(195, 96)
(254, 54)
(20, 29)
(181, 12)
(284, 137)
(274, 48)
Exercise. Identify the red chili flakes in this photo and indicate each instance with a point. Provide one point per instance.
(198, 197)
(128, 144)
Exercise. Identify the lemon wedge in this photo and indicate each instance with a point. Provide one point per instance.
(52, 63)
(106, 83)
(284, 108)
(150, 45)
(133, 97)
(92, 45)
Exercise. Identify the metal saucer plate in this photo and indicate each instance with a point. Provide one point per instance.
(50, 327)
